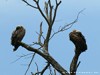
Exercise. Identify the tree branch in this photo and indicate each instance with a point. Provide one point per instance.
(38, 7)
(42, 13)
(51, 60)
(73, 65)
(46, 42)
(45, 68)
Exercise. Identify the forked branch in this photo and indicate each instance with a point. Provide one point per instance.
(51, 60)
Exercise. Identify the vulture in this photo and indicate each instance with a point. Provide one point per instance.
(79, 41)
(17, 35)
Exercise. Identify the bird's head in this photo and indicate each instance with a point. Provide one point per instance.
(18, 27)
(75, 30)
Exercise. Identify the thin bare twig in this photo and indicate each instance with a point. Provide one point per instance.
(78, 65)
(50, 69)
(39, 38)
(41, 35)
(68, 26)
(29, 4)
(30, 63)
(37, 68)
(42, 12)
(35, 43)
(38, 7)
(55, 11)
(24, 55)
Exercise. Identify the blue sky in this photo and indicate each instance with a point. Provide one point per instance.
(15, 12)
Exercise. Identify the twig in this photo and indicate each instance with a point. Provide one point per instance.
(39, 38)
(35, 43)
(22, 57)
(46, 9)
(37, 68)
(68, 26)
(30, 63)
(78, 65)
(50, 70)
(41, 35)
(38, 7)
(29, 4)
(42, 13)
(55, 11)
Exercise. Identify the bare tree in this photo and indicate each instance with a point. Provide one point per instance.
(49, 15)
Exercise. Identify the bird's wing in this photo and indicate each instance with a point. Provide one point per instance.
(21, 33)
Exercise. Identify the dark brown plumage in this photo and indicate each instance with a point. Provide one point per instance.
(79, 41)
(17, 35)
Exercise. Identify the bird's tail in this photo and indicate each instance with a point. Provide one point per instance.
(15, 48)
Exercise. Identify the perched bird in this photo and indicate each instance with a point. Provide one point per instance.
(17, 35)
(79, 41)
